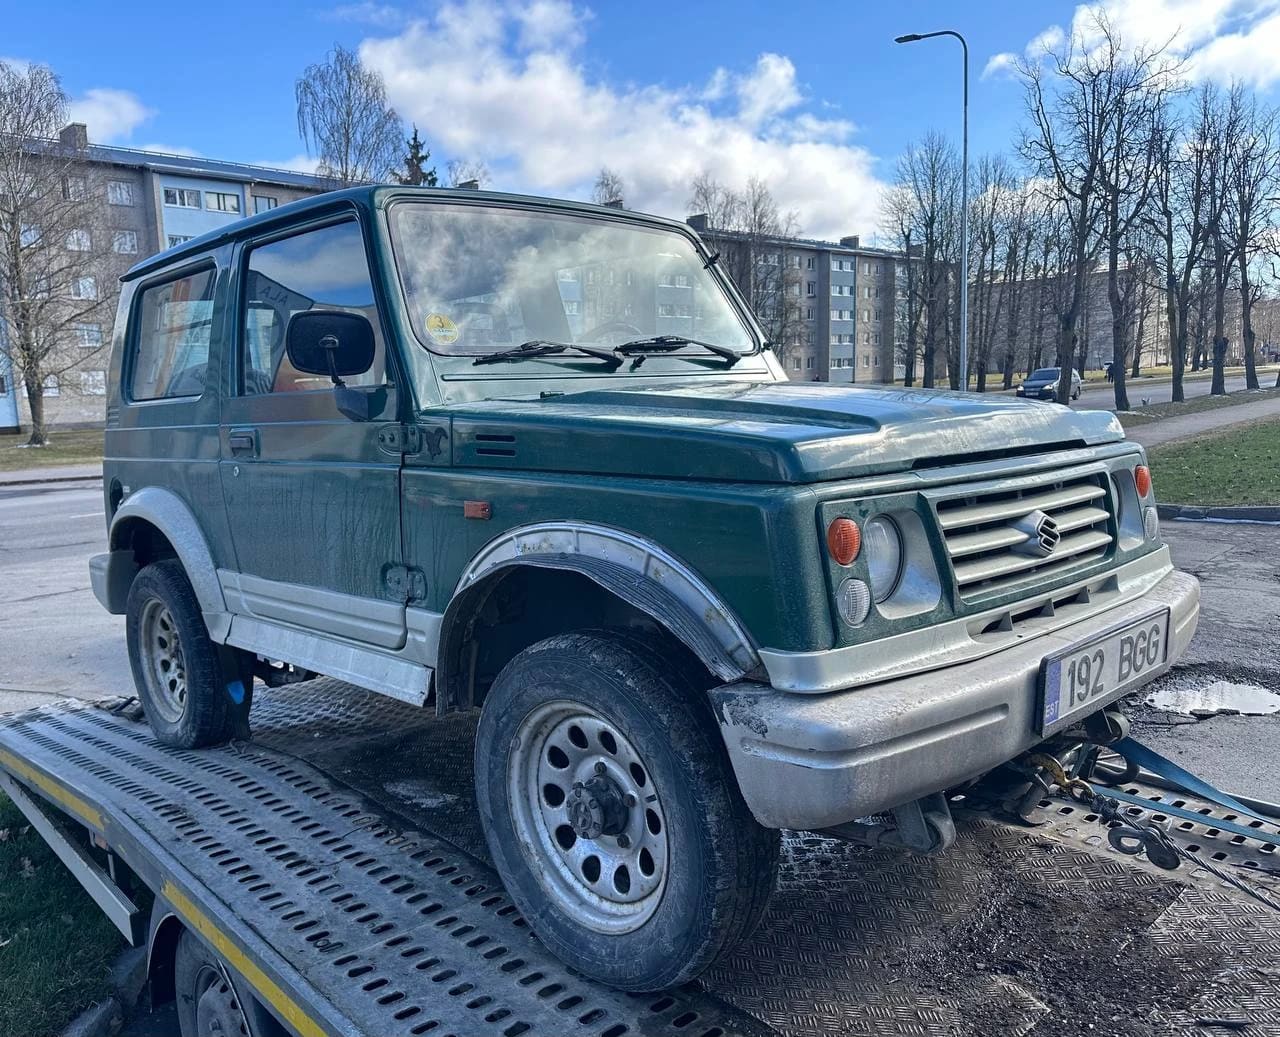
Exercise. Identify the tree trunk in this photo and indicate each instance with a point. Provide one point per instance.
(1117, 318)
(1219, 386)
(34, 385)
(1246, 324)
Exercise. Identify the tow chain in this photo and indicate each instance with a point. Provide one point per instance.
(1135, 836)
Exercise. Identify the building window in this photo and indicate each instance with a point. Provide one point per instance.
(811, 263)
(119, 192)
(878, 314)
(50, 386)
(866, 314)
(811, 288)
(93, 383)
(88, 336)
(29, 235)
(572, 307)
(178, 239)
(264, 202)
(182, 197)
(866, 360)
(125, 242)
(808, 313)
(84, 288)
(73, 188)
(808, 363)
(795, 363)
(222, 201)
(78, 240)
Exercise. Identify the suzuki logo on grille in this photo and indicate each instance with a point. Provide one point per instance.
(1041, 532)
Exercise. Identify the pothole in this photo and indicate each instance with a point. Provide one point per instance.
(1219, 697)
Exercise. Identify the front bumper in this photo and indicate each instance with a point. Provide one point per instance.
(813, 761)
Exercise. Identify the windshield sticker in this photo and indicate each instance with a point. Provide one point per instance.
(441, 329)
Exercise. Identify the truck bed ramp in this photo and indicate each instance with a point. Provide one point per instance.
(335, 862)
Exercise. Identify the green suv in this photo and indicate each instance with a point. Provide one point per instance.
(535, 459)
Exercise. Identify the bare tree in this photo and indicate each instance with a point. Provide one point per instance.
(461, 171)
(1253, 176)
(1079, 99)
(1019, 238)
(750, 231)
(608, 188)
(900, 226)
(1229, 119)
(53, 275)
(345, 121)
(988, 208)
(929, 177)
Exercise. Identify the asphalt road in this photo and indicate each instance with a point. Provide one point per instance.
(55, 640)
(1101, 395)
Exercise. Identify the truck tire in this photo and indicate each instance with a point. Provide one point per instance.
(177, 669)
(612, 812)
(211, 999)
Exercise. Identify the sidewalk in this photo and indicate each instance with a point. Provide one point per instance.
(69, 473)
(1188, 426)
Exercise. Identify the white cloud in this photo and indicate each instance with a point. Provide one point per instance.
(111, 115)
(1000, 64)
(501, 81)
(298, 163)
(1219, 40)
(367, 12)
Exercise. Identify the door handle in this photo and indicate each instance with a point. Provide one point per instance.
(243, 440)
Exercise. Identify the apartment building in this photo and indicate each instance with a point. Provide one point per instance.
(148, 202)
(832, 306)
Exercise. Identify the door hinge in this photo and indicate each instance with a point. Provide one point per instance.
(405, 584)
(400, 439)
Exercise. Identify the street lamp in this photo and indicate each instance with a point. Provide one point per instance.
(915, 37)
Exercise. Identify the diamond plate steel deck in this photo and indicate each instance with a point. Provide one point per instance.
(1013, 931)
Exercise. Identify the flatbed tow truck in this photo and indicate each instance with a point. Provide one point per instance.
(333, 869)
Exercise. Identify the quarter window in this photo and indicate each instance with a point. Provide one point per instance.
(318, 269)
(171, 352)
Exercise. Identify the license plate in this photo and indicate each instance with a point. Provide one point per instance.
(1079, 679)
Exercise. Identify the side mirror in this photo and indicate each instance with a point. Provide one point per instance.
(330, 342)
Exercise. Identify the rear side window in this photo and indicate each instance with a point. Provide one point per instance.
(175, 325)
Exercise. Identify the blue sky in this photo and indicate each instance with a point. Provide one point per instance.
(815, 98)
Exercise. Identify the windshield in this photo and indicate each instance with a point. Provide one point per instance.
(479, 279)
(1044, 373)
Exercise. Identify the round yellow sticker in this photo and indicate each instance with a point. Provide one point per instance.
(442, 330)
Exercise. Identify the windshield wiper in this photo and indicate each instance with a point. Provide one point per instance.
(670, 343)
(545, 347)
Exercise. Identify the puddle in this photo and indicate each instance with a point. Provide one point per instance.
(420, 794)
(1219, 697)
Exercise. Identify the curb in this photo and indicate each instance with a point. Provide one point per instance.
(1239, 513)
(55, 479)
(128, 977)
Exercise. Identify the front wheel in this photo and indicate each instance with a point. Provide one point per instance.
(613, 815)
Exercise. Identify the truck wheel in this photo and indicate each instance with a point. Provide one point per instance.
(177, 670)
(208, 1002)
(613, 815)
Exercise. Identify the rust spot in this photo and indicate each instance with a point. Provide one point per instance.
(477, 509)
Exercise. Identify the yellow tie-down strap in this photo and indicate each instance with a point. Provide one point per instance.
(58, 793)
(287, 1008)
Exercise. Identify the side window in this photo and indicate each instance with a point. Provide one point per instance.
(326, 269)
(171, 344)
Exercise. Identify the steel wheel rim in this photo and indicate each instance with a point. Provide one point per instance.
(163, 664)
(218, 1011)
(564, 743)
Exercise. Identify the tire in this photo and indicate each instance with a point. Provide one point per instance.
(211, 998)
(612, 701)
(182, 683)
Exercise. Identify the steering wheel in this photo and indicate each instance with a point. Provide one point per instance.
(612, 325)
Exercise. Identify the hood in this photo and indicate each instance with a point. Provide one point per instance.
(778, 432)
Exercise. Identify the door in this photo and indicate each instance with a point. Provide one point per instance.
(312, 500)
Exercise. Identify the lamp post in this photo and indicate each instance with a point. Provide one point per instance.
(964, 199)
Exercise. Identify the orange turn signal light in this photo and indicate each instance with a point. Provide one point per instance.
(844, 540)
(1142, 480)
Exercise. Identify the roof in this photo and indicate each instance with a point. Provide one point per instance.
(212, 168)
(373, 196)
(811, 243)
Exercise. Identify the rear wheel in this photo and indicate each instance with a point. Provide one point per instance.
(211, 1001)
(613, 815)
(184, 681)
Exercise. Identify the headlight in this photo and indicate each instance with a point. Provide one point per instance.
(884, 555)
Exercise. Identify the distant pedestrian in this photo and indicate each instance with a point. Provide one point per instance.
(1111, 375)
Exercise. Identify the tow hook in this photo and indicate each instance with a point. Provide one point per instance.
(922, 826)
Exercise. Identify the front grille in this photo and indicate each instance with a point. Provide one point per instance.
(1005, 538)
